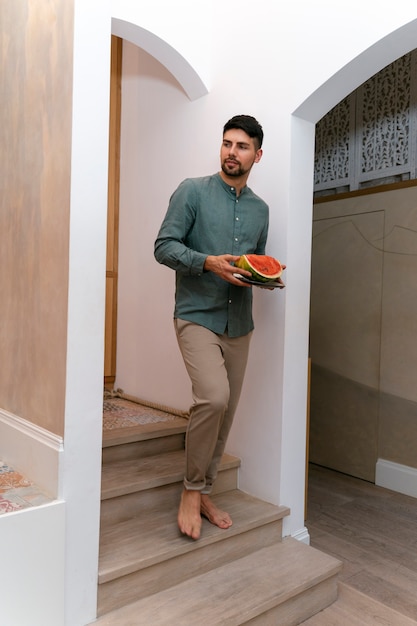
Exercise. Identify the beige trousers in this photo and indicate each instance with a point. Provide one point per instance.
(216, 366)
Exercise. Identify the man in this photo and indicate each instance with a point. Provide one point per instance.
(210, 222)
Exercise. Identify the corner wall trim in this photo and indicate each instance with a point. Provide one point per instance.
(31, 450)
(396, 477)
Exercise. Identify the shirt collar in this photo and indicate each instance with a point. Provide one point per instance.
(230, 188)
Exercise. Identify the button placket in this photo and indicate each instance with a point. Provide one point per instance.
(236, 228)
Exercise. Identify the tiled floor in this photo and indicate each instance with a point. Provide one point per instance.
(17, 492)
(122, 413)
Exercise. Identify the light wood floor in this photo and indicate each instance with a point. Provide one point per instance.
(373, 531)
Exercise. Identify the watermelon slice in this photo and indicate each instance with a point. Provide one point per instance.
(263, 268)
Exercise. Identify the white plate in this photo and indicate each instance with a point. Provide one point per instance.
(273, 284)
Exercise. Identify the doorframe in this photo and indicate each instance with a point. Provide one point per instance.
(112, 250)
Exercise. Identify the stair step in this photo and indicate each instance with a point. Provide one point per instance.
(125, 496)
(131, 475)
(141, 541)
(143, 440)
(357, 609)
(143, 432)
(281, 584)
(146, 554)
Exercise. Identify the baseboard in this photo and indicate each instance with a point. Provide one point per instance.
(31, 450)
(302, 535)
(396, 477)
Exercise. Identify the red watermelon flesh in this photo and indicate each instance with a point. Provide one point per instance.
(262, 267)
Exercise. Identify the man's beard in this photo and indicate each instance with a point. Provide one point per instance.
(235, 172)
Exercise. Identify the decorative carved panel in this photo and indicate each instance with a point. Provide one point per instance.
(369, 137)
(332, 157)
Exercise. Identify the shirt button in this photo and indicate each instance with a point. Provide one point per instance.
(236, 239)
(237, 219)
(230, 302)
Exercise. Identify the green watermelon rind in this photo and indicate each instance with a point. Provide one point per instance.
(243, 263)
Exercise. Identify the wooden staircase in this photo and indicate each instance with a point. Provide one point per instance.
(151, 575)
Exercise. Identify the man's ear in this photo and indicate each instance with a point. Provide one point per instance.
(258, 155)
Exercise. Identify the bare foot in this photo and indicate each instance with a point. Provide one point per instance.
(214, 515)
(189, 518)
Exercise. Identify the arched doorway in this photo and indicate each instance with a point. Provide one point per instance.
(299, 230)
(362, 319)
(194, 87)
(350, 77)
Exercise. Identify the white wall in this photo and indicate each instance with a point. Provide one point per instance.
(264, 58)
(268, 71)
(81, 465)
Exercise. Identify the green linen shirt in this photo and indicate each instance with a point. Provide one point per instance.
(206, 217)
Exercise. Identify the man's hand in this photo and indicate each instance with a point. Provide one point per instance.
(222, 266)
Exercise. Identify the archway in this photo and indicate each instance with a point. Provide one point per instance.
(168, 56)
(88, 176)
(305, 116)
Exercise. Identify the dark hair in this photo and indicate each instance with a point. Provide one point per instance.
(249, 125)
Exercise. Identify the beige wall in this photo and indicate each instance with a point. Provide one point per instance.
(363, 335)
(35, 127)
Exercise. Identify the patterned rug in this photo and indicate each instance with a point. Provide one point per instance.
(121, 413)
